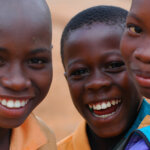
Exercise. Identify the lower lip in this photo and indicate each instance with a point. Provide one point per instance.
(144, 82)
(13, 112)
(107, 113)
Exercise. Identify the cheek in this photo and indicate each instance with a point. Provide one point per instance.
(130, 93)
(123, 82)
(76, 93)
(127, 46)
(42, 81)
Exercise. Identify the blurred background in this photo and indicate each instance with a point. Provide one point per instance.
(57, 109)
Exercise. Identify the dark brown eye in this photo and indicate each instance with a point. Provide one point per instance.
(79, 72)
(2, 61)
(115, 67)
(134, 29)
(37, 63)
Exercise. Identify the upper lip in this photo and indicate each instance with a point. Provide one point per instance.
(15, 98)
(144, 74)
(140, 70)
(103, 100)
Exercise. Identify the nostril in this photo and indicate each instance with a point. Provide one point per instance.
(15, 84)
(97, 84)
(142, 55)
(5, 82)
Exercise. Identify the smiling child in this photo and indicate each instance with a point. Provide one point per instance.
(135, 46)
(25, 73)
(99, 84)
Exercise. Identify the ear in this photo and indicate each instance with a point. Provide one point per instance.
(65, 74)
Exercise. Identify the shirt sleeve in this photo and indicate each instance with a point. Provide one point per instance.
(136, 142)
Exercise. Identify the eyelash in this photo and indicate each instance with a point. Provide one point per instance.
(115, 67)
(79, 73)
(37, 63)
(134, 29)
(37, 60)
(2, 61)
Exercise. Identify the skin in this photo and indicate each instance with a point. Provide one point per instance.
(95, 72)
(135, 45)
(25, 60)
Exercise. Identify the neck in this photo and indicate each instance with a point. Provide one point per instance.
(5, 138)
(98, 143)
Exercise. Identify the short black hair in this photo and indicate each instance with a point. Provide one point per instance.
(109, 15)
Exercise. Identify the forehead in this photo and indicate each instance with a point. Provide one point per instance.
(23, 16)
(92, 42)
(95, 34)
(140, 8)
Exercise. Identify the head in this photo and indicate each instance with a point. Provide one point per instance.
(135, 45)
(100, 87)
(25, 58)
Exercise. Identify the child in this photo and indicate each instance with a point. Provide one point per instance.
(135, 48)
(100, 87)
(25, 73)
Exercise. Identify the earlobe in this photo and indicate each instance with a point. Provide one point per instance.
(65, 74)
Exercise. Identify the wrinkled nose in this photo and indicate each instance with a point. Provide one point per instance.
(15, 80)
(143, 55)
(98, 81)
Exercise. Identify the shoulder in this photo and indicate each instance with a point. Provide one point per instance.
(66, 144)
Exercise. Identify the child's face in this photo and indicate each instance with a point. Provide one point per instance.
(99, 84)
(25, 66)
(135, 44)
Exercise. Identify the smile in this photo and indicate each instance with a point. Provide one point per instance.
(105, 108)
(13, 103)
(142, 78)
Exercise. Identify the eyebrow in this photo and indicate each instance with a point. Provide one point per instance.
(131, 14)
(74, 62)
(40, 50)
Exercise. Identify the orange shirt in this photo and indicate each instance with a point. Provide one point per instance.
(33, 134)
(77, 141)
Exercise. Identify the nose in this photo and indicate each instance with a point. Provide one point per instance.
(98, 81)
(15, 79)
(143, 55)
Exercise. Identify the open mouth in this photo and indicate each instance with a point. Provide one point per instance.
(105, 108)
(13, 103)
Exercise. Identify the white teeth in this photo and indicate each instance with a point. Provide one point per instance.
(99, 107)
(113, 102)
(117, 101)
(94, 107)
(3, 102)
(23, 103)
(17, 104)
(108, 104)
(104, 105)
(13, 103)
(10, 104)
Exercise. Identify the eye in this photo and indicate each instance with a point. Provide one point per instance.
(115, 67)
(37, 63)
(79, 73)
(2, 61)
(134, 29)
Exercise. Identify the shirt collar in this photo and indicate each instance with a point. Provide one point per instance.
(143, 115)
(27, 136)
(80, 139)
